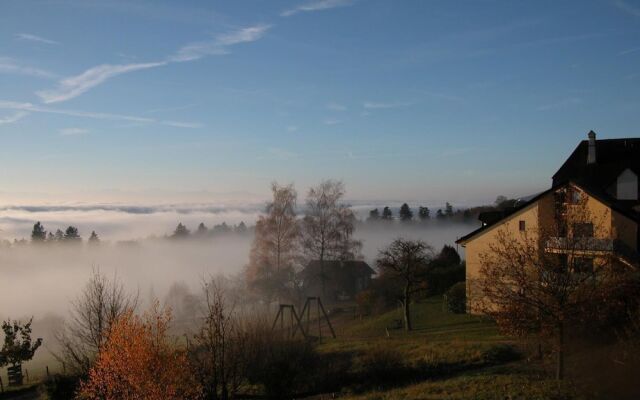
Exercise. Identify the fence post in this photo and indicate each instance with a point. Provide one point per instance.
(48, 375)
(1, 385)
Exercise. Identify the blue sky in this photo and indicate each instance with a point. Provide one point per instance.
(424, 101)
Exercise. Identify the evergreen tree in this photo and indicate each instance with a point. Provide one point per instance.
(59, 236)
(405, 213)
(424, 213)
(180, 232)
(448, 210)
(374, 215)
(38, 235)
(72, 235)
(439, 214)
(449, 256)
(387, 214)
(241, 228)
(221, 229)
(94, 239)
(202, 230)
(50, 237)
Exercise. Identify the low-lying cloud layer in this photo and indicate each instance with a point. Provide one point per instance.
(40, 280)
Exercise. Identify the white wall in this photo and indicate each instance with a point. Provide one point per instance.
(627, 186)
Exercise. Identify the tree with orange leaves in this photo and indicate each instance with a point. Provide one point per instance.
(139, 361)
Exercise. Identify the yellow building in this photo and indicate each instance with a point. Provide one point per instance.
(602, 175)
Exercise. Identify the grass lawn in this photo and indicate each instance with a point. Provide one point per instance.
(458, 349)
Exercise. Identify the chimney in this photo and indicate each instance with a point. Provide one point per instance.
(591, 155)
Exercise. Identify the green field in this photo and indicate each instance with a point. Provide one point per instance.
(456, 357)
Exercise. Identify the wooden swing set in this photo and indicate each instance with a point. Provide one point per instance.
(295, 320)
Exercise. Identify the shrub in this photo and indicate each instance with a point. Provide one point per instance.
(365, 300)
(61, 387)
(283, 367)
(439, 279)
(382, 365)
(456, 298)
(500, 354)
(139, 361)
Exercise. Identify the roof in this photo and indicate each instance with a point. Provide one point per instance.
(356, 266)
(489, 217)
(623, 207)
(613, 156)
(506, 214)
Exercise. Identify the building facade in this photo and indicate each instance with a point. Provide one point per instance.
(591, 212)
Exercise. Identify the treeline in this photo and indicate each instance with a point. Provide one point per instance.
(424, 214)
(71, 235)
(202, 231)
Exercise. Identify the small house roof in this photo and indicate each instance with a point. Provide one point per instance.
(356, 266)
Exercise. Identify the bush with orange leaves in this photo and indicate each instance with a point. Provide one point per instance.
(140, 361)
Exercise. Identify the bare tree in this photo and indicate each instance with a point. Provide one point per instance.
(218, 350)
(406, 261)
(547, 281)
(274, 251)
(101, 302)
(328, 225)
(346, 247)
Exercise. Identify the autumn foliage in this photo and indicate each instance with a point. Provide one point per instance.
(139, 361)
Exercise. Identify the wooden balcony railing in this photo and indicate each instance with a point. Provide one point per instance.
(591, 245)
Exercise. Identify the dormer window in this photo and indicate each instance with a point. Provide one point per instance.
(627, 185)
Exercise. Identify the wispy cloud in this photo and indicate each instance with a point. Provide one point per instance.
(318, 5)
(371, 105)
(73, 131)
(35, 38)
(332, 121)
(169, 109)
(29, 107)
(73, 86)
(178, 124)
(10, 119)
(336, 107)
(629, 51)
(281, 154)
(219, 45)
(628, 8)
(292, 128)
(11, 66)
(569, 101)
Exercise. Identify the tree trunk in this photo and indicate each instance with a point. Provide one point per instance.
(322, 277)
(407, 314)
(560, 352)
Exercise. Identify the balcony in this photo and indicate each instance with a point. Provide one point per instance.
(590, 246)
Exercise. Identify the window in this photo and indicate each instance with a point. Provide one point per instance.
(582, 230)
(583, 265)
(522, 225)
(575, 196)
